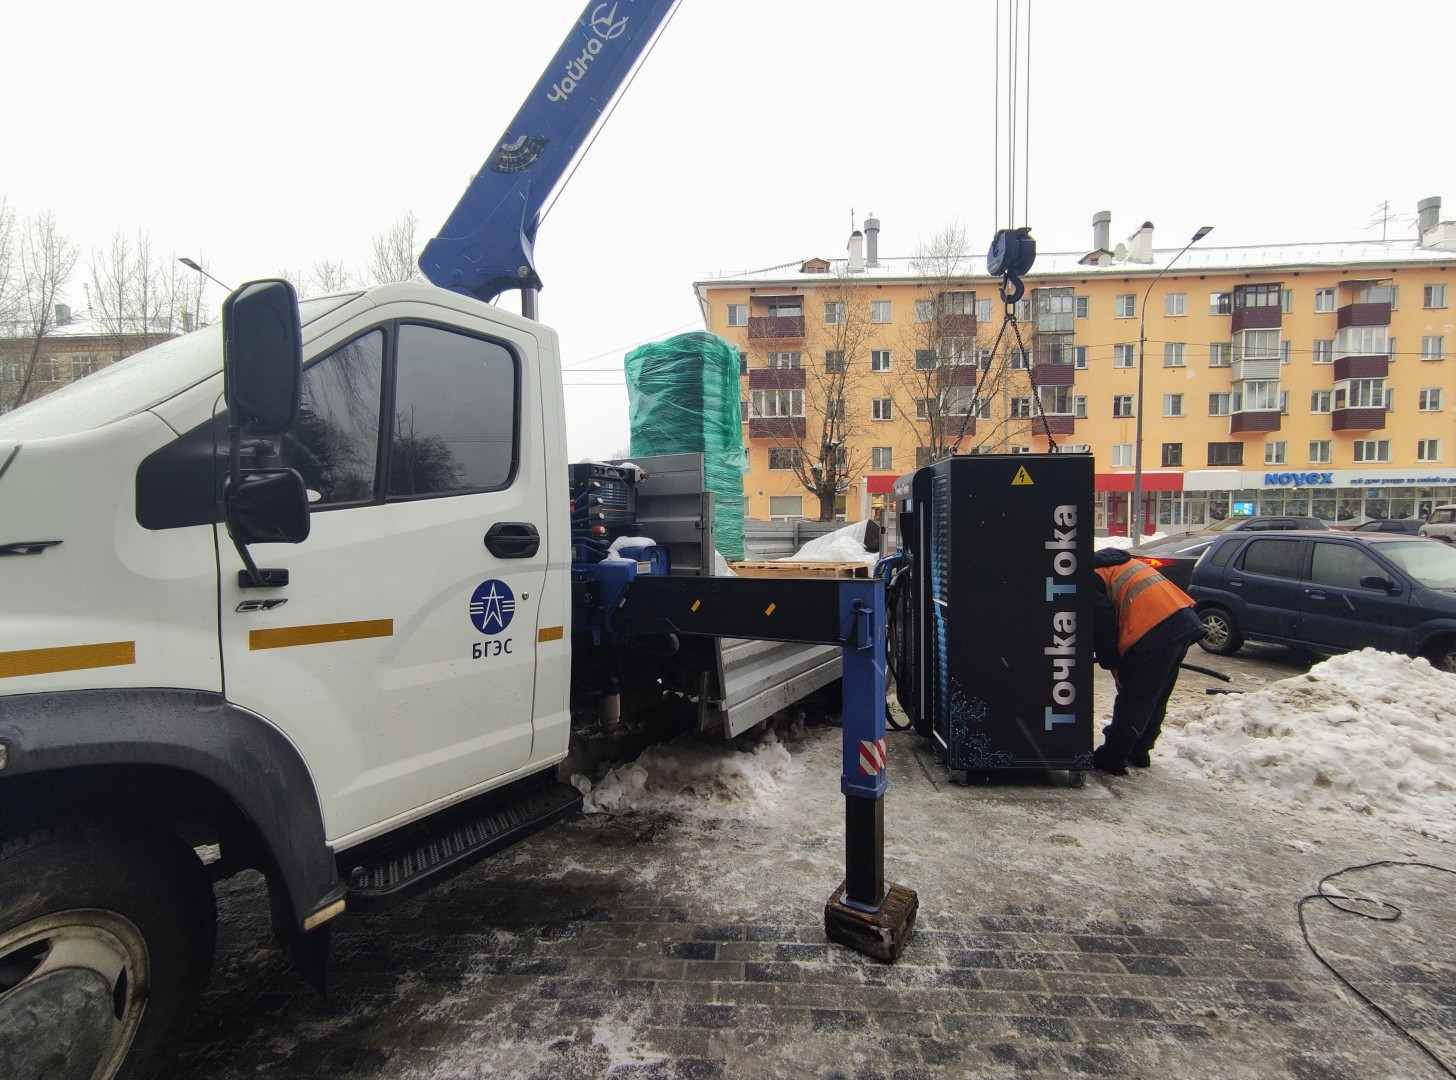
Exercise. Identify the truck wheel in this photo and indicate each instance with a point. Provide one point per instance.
(1221, 632)
(105, 944)
(1442, 654)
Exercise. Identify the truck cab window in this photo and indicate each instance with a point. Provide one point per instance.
(334, 446)
(455, 414)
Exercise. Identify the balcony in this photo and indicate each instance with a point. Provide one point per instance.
(783, 428)
(1053, 375)
(1362, 367)
(1254, 422)
(1363, 315)
(1265, 317)
(1357, 420)
(1056, 423)
(959, 375)
(775, 327)
(1254, 368)
(957, 324)
(776, 379)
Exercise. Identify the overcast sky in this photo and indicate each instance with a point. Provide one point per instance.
(268, 136)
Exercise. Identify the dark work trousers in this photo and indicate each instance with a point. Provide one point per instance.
(1146, 681)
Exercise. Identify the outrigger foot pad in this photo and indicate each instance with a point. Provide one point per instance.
(881, 934)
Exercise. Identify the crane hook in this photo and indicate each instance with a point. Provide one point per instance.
(1011, 255)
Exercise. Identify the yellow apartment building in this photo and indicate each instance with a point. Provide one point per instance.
(1285, 378)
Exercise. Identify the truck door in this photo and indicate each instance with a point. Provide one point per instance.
(400, 656)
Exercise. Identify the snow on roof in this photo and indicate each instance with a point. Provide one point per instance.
(1386, 253)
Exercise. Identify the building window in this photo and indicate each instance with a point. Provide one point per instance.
(776, 403)
(1079, 357)
(1174, 353)
(1430, 399)
(1220, 353)
(1428, 449)
(834, 409)
(834, 361)
(1284, 403)
(783, 360)
(1082, 307)
(1276, 453)
(743, 410)
(1324, 351)
(1122, 356)
(1256, 395)
(1286, 300)
(737, 314)
(1021, 408)
(880, 408)
(1434, 296)
(1079, 407)
(924, 408)
(882, 457)
(82, 365)
(1283, 351)
(1368, 451)
(1320, 452)
(1020, 359)
(1247, 296)
(1121, 404)
(924, 311)
(1390, 350)
(1175, 303)
(1172, 455)
(925, 360)
(879, 311)
(742, 362)
(1172, 404)
(1122, 455)
(1377, 294)
(1125, 306)
(961, 401)
(983, 310)
(1218, 404)
(1324, 299)
(1433, 348)
(1220, 303)
(960, 351)
(833, 312)
(1364, 394)
(1362, 341)
(880, 360)
(1257, 345)
(783, 457)
(1056, 400)
(785, 507)
(958, 303)
(1225, 453)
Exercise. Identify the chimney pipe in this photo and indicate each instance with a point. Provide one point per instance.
(856, 252)
(872, 241)
(1102, 230)
(1140, 244)
(1428, 214)
(63, 314)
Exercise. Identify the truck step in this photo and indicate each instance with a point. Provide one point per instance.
(436, 850)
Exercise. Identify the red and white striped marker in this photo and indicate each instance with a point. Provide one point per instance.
(872, 757)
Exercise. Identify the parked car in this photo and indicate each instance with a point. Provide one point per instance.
(1441, 524)
(1409, 526)
(1173, 557)
(1329, 592)
(1257, 523)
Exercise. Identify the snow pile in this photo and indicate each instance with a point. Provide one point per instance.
(686, 775)
(1368, 733)
(1122, 543)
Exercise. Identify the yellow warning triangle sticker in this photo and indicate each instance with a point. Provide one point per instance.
(1022, 478)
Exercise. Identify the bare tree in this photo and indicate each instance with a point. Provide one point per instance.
(330, 277)
(833, 364)
(395, 253)
(969, 384)
(183, 291)
(9, 270)
(47, 260)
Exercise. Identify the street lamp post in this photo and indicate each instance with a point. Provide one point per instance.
(1135, 516)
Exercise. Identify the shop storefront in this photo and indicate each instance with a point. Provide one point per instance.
(1339, 497)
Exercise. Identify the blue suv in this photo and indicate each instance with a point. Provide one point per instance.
(1329, 592)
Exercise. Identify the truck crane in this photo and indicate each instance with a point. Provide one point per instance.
(314, 592)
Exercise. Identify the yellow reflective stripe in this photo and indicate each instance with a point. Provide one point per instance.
(1128, 570)
(1137, 587)
(66, 658)
(550, 633)
(284, 637)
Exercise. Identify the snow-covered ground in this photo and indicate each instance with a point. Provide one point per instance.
(1368, 736)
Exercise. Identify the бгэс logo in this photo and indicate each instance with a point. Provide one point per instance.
(492, 606)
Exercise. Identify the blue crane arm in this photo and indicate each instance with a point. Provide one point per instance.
(487, 244)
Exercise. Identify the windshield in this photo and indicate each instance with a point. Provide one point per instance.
(1226, 523)
(136, 382)
(1430, 562)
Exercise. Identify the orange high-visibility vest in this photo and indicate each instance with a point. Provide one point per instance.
(1143, 598)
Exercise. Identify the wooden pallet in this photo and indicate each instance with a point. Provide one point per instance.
(799, 568)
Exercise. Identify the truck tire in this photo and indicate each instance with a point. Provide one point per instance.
(1442, 654)
(1222, 636)
(106, 939)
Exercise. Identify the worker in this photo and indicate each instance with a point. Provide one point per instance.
(1142, 625)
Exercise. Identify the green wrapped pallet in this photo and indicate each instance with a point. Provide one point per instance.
(682, 398)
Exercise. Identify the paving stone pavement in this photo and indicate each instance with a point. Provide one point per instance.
(1133, 927)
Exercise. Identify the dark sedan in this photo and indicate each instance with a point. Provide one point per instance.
(1173, 557)
(1408, 526)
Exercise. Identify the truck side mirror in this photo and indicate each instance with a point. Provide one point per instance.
(267, 506)
(262, 357)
